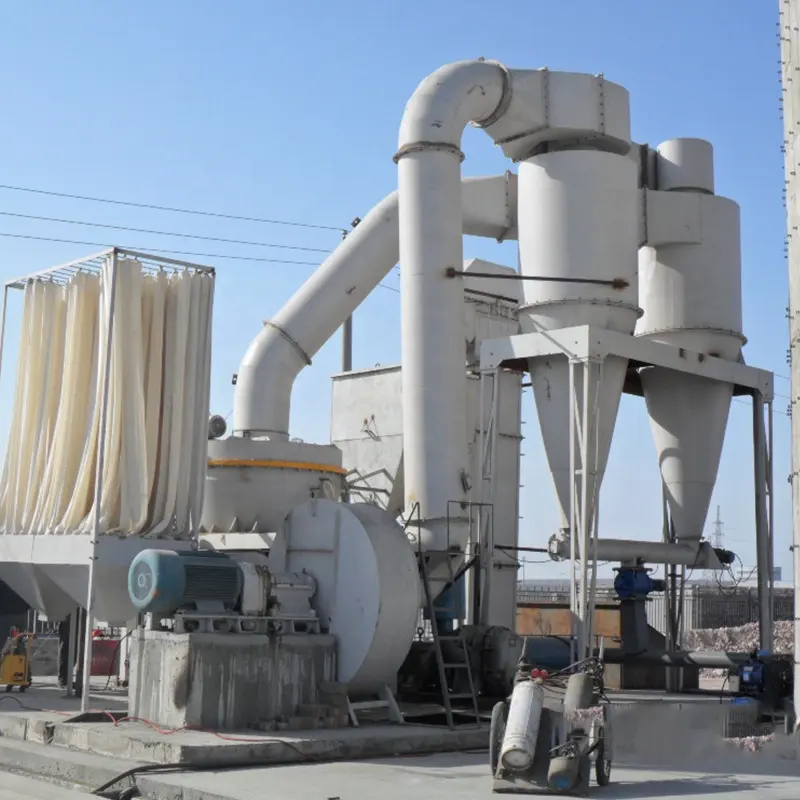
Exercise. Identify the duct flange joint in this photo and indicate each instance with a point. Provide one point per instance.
(504, 103)
(289, 339)
(419, 147)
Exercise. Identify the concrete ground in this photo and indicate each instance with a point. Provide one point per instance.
(660, 751)
(16, 787)
(45, 695)
(454, 777)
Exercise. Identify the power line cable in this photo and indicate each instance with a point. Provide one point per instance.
(175, 252)
(172, 209)
(163, 233)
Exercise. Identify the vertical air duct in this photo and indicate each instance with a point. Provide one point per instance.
(434, 382)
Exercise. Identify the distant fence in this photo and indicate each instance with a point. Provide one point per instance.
(703, 606)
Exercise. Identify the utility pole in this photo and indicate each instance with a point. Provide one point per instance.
(347, 328)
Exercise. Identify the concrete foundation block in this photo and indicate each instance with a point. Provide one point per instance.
(221, 682)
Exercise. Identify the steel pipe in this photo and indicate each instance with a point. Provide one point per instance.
(280, 351)
(701, 556)
(706, 659)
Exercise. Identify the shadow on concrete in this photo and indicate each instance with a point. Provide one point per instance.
(436, 761)
(696, 786)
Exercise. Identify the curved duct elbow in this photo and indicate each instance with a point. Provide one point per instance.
(286, 344)
(449, 99)
(264, 384)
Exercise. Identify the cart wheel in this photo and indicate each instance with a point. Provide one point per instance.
(602, 766)
(497, 730)
(22, 687)
(9, 687)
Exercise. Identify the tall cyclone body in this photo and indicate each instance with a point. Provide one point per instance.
(691, 297)
(578, 219)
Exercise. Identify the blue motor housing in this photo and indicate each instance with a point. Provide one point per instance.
(166, 581)
(633, 582)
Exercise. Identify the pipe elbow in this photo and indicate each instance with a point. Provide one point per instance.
(261, 404)
(449, 99)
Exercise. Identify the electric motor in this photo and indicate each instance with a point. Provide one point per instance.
(164, 581)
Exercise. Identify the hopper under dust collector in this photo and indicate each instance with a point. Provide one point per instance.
(691, 297)
(577, 215)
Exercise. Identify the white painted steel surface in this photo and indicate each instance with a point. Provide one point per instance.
(691, 298)
(685, 164)
(586, 342)
(562, 107)
(436, 463)
(577, 219)
(51, 573)
(522, 726)
(789, 34)
(251, 485)
(368, 588)
(285, 345)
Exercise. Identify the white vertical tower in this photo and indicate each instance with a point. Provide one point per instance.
(790, 50)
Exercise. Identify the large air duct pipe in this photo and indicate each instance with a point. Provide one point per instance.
(434, 383)
(288, 342)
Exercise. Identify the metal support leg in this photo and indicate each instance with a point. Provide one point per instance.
(72, 648)
(763, 564)
(487, 529)
(573, 583)
(98, 481)
(584, 504)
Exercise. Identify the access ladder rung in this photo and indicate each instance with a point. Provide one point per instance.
(461, 696)
(459, 665)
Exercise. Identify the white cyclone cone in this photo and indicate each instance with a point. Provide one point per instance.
(551, 392)
(577, 219)
(691, 298)
(688, 418)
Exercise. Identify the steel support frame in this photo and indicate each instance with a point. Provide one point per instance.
(583, 515)
(487, 455)
(586, 347)
(98, 482)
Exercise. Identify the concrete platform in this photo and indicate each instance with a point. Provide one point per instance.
(42, 716)
(660, 751)
(222, 682)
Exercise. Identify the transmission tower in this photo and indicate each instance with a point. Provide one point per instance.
(718, 534)
(717, 541)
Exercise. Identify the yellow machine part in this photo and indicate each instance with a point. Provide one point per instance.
(14, 671)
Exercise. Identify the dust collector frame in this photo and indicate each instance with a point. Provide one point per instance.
(61, 275)
(587, 347)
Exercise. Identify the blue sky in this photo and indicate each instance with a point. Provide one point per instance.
(291, 111)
